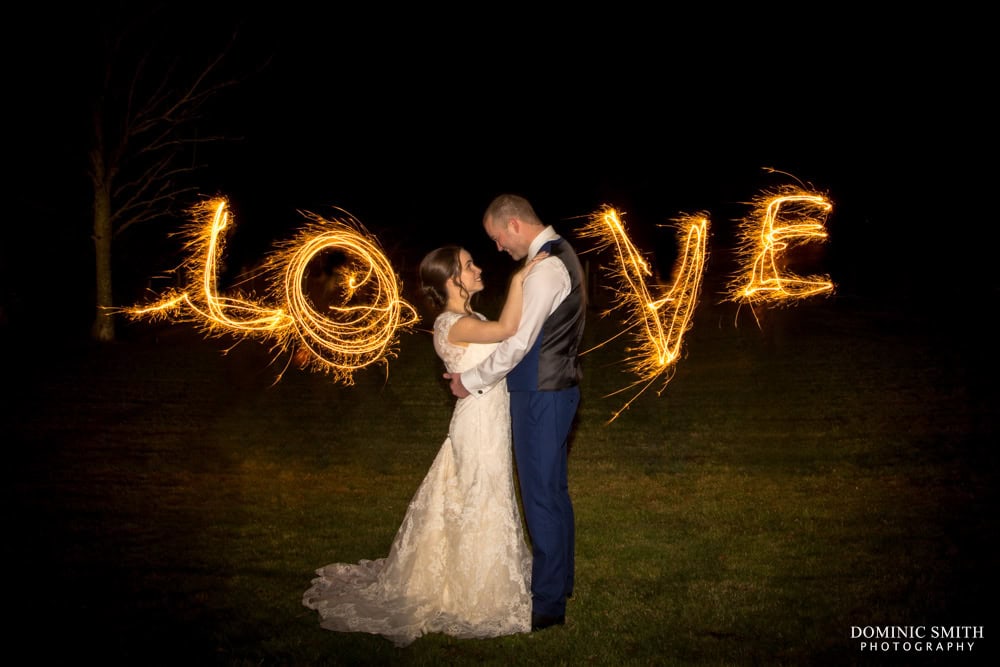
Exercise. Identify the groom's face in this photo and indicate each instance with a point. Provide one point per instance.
(504, 236)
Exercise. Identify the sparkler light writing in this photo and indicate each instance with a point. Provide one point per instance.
(361, 323)
(358, 328)
(658, 324)
(780, 221)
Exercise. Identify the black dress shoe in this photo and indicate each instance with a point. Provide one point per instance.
(541, 621)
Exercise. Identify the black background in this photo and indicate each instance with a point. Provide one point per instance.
(412, 120)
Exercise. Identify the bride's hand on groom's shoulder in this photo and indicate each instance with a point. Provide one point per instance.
(523, 271)
(538, 257)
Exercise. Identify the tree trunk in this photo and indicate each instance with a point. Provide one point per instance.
(103, 329)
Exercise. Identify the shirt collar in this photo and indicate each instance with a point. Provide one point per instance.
(543, 237)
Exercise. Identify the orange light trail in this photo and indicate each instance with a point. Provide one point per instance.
(361, 328)
(658, 324)
(780, 220)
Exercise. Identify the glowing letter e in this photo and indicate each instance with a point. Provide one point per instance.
(779, 221)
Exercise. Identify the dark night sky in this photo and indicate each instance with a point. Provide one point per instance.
(417, 129)
(413, 122)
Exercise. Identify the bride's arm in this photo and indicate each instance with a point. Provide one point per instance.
(473, 330)
(510, 316)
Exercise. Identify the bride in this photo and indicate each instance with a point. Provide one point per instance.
(459, 564)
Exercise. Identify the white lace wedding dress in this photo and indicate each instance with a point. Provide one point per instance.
(459, 564)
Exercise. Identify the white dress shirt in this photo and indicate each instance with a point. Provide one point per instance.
(545, 287)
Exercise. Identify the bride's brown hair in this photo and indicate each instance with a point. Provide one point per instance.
(436, 269)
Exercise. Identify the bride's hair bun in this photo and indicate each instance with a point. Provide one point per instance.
(437, 268)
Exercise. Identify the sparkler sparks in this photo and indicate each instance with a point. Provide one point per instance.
(358, 328)
(781, 220)
(658, 324)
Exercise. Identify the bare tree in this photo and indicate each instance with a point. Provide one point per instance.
(146, 120)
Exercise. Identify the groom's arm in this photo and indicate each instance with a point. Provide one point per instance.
(544, 289)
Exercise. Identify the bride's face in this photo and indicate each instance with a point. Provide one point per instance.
(471, 276)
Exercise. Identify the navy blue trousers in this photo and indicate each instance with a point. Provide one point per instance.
(541, 423)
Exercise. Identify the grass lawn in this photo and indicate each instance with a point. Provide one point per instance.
(167, 501)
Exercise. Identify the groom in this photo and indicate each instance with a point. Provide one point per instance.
(542, 367)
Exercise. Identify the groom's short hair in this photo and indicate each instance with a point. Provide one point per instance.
(507, 206)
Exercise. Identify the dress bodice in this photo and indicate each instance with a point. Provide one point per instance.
(458, 358)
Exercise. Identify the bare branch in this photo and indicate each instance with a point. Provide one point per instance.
(147, 119)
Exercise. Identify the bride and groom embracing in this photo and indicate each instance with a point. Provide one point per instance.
(460, 564)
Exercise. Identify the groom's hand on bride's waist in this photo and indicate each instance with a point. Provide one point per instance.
(457, 388)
